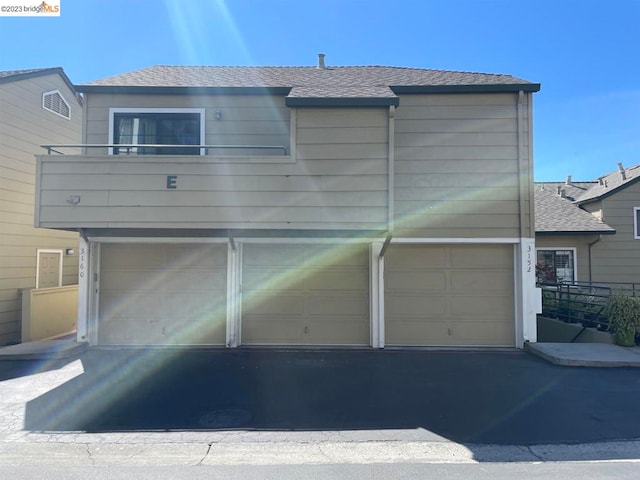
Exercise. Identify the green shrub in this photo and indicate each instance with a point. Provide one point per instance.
(624, 318)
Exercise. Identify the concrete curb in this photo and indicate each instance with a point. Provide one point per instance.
(300, 453)
(586, 354)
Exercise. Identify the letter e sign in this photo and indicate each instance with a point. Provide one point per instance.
(172, 182)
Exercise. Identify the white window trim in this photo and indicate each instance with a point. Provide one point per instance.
(201, 111)
(635, 223)
(64, 100)
(575, 257)
(48, 250)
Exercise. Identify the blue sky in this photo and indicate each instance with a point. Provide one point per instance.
(585, 53)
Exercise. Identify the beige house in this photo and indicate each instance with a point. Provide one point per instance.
(36, 107)
(590, 231)
(334, 206)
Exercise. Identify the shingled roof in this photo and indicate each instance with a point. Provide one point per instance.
(610, 183)
(7, 76)
(361, 78)
(556, 215)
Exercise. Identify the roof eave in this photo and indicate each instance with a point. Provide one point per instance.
(492, 88)
(609, 193)
(579, 232)
(41, 73)
(174, 90)
(341, 102)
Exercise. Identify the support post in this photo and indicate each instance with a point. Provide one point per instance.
(527, 295)
(376, 295)
(234, 294)
(84, 282)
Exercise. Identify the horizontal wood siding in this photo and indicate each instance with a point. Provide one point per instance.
(330, 184)
(456, 166)
(244, 119)
(616, 258)
(24, 126)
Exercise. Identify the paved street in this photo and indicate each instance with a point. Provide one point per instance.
(269, 407)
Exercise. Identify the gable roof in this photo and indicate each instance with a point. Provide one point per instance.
(609, 184)
(359, 79)
(7, 76)
(555, 215)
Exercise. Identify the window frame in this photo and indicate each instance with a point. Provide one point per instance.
(60, 265)
(574, 252)
(62, 99)
(636, 224)
(156, 110)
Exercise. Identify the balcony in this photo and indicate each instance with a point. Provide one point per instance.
(225, 187)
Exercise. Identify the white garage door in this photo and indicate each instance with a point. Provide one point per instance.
(305, 295)
(162, 294)
(449, 295)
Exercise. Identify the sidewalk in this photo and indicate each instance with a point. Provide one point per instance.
(49, 349)
(566, 354)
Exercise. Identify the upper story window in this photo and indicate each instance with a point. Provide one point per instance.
(636, 223)
(54, 102)
(133, 128)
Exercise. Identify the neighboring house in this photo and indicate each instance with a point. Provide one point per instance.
(597, 229)
(365, 206)
(37, 106)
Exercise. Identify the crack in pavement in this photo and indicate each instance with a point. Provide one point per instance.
(206, 454)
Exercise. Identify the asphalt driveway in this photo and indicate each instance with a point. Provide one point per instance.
(480, 397)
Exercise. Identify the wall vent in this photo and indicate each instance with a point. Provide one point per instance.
(55, 103)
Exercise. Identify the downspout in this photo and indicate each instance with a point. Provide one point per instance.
(391, 169)
(589, 250)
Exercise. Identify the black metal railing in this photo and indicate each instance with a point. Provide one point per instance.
(136, 149)
(583, 302)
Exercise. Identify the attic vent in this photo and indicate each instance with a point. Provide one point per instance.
(55, 103)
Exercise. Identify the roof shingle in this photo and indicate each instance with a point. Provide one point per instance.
(354, 76)
(555, 214)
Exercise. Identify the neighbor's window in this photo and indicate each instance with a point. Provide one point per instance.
(555, 266)
(156, 128)
(54, 102)
(636, 223)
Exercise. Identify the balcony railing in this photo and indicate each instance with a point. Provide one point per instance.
(128, 149)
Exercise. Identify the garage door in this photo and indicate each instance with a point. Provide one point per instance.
(162, 294)
(449, 295)
(305, 295)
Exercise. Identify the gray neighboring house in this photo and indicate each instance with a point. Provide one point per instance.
(590, 231)
(37, 106)
(335, 206)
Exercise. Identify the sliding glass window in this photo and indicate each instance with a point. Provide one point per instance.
(133, 129)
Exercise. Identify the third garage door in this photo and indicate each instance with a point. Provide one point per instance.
(449, 295)
(305, 295)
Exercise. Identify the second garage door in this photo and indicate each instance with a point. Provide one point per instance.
(449, 295)
(162, 294)
(305, 295)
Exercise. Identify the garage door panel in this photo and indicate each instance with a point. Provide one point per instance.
(398, 307)
(481, 256)
(481, 281)
(416, 256)
(276, 329)
(406, 280)
(322, 290)
(334, 331)
(338, 279)
(330, 305)
(485, 306)
(195, 256)
(413, 333)
(162, 294)
(466, 297)
(483, 333)
(127, 255)
(276, 303)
